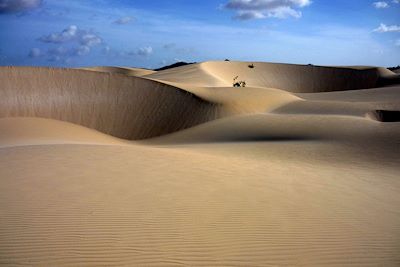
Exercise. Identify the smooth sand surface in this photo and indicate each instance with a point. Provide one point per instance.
(22, 131)
(110, 169)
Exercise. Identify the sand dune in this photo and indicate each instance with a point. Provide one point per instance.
(178, 168)
(233, 101)
(125, 107)
(193, 74)
(122, 106)
(292, 78)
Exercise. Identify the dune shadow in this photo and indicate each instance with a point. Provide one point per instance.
(236, 139)
(385, 115)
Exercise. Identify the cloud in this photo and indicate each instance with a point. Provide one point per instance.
(90, 39)
(178, 50)
(68, 34)
(16, 6)
(82, 50)
(72, 41)
(396, 1)
(72, 34)
(57, 54)
(123, 20)
(62, 53)
(380, 5)
(246, 15)
(387, 28)
(82, 41)
(144, 51)
(35, 53)
(260, 9)
(169, 46)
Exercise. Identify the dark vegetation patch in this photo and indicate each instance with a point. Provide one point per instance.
(394, 68)
(175, 65)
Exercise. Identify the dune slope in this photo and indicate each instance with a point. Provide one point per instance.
(122, 106)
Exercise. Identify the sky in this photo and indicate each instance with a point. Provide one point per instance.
(154, 33)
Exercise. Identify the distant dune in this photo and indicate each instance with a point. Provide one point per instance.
(117, 166)
(174, 65)
(292, 78)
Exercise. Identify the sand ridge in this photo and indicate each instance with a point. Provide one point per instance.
(138, 72)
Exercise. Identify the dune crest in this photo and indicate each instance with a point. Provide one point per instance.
(121, 70)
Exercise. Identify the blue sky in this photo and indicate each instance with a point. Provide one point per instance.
(146, 33)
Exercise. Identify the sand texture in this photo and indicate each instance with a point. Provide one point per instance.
(110, 166)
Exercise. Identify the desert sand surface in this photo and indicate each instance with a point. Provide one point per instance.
(119, 167)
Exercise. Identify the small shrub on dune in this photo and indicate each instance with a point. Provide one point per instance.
(238, 83)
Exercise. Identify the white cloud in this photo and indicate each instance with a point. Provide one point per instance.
(77, 42)
(387, 28)
(15, 6)
(396, 1)
(144, 51)
(380, 4)
(68, 34)
(90, 39)
(72, 34)
(82, 50)
(259, 9)
(57, 54)
(124, 20)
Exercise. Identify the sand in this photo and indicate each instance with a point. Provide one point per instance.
(292, 78)
(138, 72)
(105, 168)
